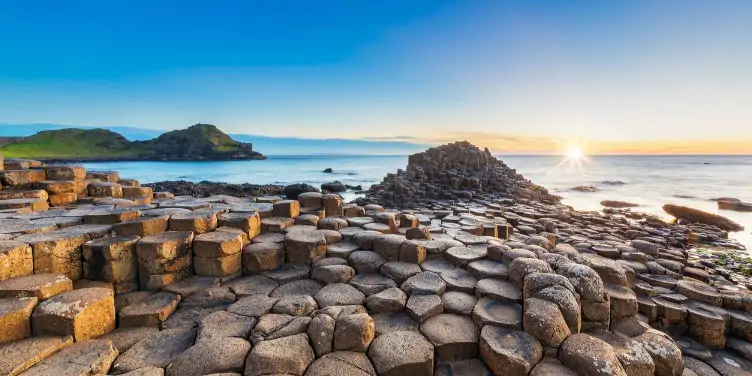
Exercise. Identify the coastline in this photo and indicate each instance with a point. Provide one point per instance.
(457, 249)
(136, 159)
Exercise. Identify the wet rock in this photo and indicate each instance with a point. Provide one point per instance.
(699, 216)
(334, 186)
(293, 191)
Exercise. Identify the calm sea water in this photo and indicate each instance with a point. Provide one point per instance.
(649, 181)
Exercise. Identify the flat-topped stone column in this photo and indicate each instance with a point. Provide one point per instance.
(15, 318)
(83, 313)
(217, 254)
(164, 258)
(15, 259)
(56, 252)
(112, 260)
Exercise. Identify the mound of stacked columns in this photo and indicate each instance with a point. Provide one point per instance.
(453, 171)
(269, 286)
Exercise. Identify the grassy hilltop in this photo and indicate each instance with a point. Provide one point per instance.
(198, 142)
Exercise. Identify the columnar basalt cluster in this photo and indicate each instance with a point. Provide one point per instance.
(454, 171)
(156, 284)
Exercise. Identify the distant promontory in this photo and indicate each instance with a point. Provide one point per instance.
(200, 142)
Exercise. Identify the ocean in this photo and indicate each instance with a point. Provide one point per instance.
(649, 181)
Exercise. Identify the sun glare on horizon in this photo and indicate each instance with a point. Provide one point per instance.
(574, 153)
(573, 157)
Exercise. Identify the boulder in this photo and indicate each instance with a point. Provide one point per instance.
(334, 186)
(293, 191)
(699, 216)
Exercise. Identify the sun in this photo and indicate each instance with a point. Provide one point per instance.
(574, 153)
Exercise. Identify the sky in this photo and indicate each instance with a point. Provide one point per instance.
(516, 76)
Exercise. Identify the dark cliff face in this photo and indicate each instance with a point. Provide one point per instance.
(198, 142)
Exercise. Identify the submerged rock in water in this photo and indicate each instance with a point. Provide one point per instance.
(328, 170)
(734, 204)
(613, 182)
(699, 216)
(335, 186)
(585, 188)
(618, 204)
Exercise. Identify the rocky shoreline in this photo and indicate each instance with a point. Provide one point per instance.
(457, 265)
(210, 188)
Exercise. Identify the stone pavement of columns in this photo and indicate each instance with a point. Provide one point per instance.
(101, 276)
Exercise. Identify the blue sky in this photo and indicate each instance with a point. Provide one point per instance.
(620, 76)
